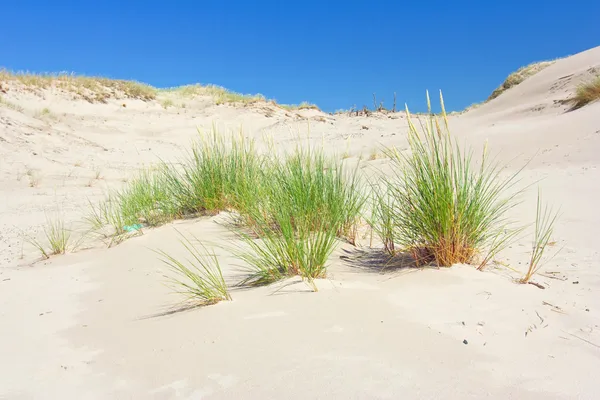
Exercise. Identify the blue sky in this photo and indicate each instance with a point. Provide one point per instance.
(333, 53)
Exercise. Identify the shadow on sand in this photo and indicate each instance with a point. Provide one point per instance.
(380, 262)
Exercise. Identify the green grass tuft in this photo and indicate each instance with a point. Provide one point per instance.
(198, 277)
(307, 202)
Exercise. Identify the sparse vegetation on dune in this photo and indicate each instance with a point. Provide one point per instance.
(100, 89)
(290, 212)
(11, 105)
(219, 94)
(305, 105)
(586, 93)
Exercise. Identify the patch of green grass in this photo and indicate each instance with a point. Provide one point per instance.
(307, 203)
(544, 227)
(199, 277)
(215, 175)
(586, 93)
(446, 209)
(146, 199)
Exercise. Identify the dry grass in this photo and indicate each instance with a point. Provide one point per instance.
(219, 94)
(305, 105)
(519, 76)
(586, 93)
(92, 89)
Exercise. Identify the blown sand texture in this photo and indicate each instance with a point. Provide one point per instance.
(92, 324)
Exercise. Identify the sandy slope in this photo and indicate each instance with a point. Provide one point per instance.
(90, 325)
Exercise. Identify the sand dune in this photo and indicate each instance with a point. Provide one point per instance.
(93, 324)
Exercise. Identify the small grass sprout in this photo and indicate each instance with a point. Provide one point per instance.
(544, 227)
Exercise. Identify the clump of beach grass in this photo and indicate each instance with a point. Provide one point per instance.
(586, 93)
(166, 103)
(519, 76)
(215, 176)
(544, 227)
(199, 276)
(308, 202)
(444, 209)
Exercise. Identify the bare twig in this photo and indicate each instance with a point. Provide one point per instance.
(580, 338)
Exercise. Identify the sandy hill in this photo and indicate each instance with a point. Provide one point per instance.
(89, 325)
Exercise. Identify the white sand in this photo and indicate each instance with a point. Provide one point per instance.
(88, 325)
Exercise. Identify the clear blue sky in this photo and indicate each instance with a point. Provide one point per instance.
(333, 53)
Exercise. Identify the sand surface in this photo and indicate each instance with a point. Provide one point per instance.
(95, 324)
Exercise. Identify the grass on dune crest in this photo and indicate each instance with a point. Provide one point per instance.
(305, 105)
(444, 208)
(93, 89)
(586, 93)
(198, 277)
(219, 94)
(519, 76)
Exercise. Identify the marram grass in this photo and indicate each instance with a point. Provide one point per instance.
(586, 93)
(307, 202)
(444, 208)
